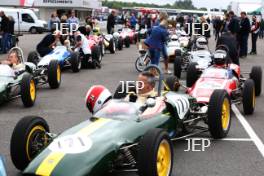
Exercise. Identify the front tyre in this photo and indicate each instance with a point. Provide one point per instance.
(256, 75)
(249, 97)
(155, 155)
(112, 47)
(28, 139)
(127, 42)
(192, 74)
(54, 74)
(28, 90)
(177, 66)
(219, 114)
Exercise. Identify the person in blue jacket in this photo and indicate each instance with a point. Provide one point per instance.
(156, 41)
(133, 21)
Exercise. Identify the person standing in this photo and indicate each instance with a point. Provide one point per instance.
(133, 21)
(11, 28)
(261, 32)
(54, 22)
(156, 40)
(217, 26)
(233, 25)
(254, 34)
(243, 34)
(111, 23)
(4, 32)
(73, 21)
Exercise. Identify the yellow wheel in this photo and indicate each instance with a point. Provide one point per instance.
(164, 158)
(28, 139)
(28, 90)
(225, 114)
(155, 154)
(54, 74)
(32, 90)
(219, 116)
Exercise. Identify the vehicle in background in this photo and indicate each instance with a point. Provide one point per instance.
(25, 20)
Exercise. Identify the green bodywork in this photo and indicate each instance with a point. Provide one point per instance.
(106, 142)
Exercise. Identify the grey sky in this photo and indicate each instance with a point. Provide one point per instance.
(197, 3)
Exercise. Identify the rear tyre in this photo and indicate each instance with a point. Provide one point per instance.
(248, 95)
(177, 67)
(112, 47)
(28, 90)
(127, 42)
(120, 43)
(155, 154)
(54, 74)
(33, 57)
(219, 114)
(192, 74)
(28, 139)
(75, 62)
(256, 76)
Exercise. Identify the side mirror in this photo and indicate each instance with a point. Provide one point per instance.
(151, 102)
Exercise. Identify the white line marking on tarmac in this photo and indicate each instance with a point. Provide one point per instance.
(249, 130)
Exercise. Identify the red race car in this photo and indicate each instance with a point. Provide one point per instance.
(227, 76)
(128, 35)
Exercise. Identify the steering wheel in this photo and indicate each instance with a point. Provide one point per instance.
(157, 72)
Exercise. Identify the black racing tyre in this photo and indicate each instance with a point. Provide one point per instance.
(172, 84)
(28, 132)
(54, 74)
(84, 61)
(76, 64)
(33, 57)
(155, 154)
(120, 43)
(102, 48)
(127, 42)
(177, 66)
(192, 74)
(249, 97)
(121, 91)
(112, 46)
(219, 114)
(256, 76)
(28, 90)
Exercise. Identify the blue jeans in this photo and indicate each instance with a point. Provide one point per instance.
(164, 52)
(243, 45)
(4, 42)
(154, 56)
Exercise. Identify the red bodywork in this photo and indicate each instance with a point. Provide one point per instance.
(128, 32)
(94, 40)
(215, 77)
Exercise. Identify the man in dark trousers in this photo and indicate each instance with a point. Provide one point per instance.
(254, 34)
(111, 23)
(243, 34)
(233, 25)
(229, 40)
(4, 32)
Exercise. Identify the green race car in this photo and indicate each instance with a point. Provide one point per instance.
(120, 136)
(17, 83)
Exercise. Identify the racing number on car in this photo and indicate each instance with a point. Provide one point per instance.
(71, 144)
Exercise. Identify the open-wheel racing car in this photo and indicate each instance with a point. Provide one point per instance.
(128, 36)
(225, 75)
(18, 82)
(64, 57)
(120, 136)
(198, 56)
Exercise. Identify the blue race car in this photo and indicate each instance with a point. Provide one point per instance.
(65, 58)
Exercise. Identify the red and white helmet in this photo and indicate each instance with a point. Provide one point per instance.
(96, 97)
